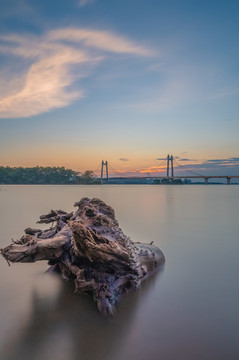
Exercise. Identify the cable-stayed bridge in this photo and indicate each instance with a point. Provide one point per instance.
(169, 171)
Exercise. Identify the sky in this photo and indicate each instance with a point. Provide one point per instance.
(124, 81)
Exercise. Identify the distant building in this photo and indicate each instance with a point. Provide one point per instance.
(130, 181)
(168, 181)
(187, 181)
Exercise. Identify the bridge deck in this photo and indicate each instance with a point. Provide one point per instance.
(178, 177)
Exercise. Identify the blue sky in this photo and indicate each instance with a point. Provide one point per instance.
(83, 81)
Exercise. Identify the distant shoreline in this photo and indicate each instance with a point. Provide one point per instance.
(97, 184)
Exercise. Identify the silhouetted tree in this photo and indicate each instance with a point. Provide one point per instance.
(44, 175)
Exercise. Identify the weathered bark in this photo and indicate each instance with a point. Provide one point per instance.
(89, 247)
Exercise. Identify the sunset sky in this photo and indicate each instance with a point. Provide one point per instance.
(124, 81)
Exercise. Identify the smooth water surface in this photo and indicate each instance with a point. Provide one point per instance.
(188, 311)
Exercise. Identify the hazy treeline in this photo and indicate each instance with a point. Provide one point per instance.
(45, 175)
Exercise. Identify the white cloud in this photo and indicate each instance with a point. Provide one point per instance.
(103, 40)
(50, 59)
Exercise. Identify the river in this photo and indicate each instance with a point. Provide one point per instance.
(188, 310)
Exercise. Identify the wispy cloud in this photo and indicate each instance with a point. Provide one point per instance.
(124, 159)
(103, 40)
(152, 170)
(85, 2)
(229, 166)
(155, 67)
(14, 8)
(224, 161)
(185, 159)
(46, 78)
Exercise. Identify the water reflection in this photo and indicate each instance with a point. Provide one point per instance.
(68, 326)
(191, 312)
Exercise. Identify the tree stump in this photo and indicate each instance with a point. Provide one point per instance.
(89, 247)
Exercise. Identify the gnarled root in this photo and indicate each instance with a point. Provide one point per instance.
(89, 247)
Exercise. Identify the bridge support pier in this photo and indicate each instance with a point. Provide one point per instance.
(206, 180)
(228, 180)
(170, 161)
(168, 158)
(172, 165)
(104, 163)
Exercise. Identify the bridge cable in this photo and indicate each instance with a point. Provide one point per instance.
(98, 168)
(115, 171)
(118, 173)
(190, 171)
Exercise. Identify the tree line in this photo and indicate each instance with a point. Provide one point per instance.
(45, 175)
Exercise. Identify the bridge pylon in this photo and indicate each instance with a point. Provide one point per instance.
(104, 163)
(170, 161)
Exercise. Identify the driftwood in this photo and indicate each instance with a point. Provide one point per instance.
(89, 247)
